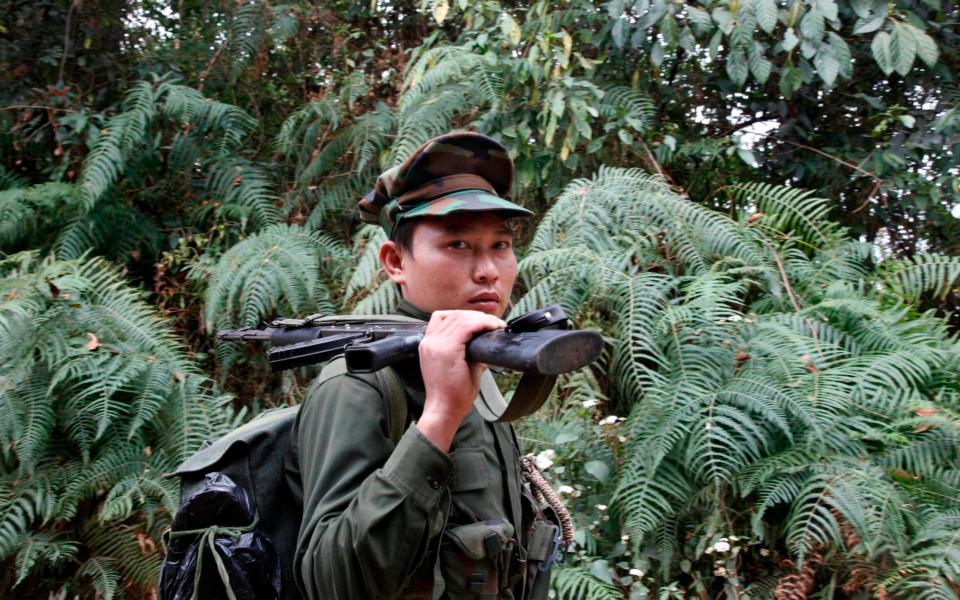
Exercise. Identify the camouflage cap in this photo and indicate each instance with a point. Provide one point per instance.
(459, 171)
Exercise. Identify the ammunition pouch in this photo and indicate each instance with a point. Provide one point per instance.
(475, 559)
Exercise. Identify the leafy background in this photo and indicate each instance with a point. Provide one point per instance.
(753, 200)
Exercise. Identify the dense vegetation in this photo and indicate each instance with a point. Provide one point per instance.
(776, 414)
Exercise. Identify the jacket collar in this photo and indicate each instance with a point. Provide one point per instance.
(409, 310)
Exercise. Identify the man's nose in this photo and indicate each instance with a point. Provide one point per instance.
(485, 268)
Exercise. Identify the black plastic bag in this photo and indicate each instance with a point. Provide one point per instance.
(215, 531)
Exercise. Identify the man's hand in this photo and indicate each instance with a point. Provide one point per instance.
(451, 383)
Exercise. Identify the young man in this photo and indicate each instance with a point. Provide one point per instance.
(440, 514)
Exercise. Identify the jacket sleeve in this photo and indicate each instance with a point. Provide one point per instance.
(369, 507)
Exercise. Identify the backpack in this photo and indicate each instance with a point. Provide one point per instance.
(234, 534)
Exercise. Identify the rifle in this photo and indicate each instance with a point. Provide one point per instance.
(539, 344)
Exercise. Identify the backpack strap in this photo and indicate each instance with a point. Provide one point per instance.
(395, 402)
(387, 381)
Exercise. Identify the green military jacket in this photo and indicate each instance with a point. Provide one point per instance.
(401, 521)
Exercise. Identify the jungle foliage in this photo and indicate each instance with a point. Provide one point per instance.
(776, 414)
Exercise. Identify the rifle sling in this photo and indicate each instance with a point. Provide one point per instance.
(532, 391)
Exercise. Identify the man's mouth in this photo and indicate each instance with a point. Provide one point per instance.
(485, 301)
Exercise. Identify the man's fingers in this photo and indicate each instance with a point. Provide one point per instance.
(464, 324)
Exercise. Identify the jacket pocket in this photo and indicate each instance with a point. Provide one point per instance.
(470, 468)
(473, 557)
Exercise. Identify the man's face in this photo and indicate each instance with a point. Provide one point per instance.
(463, 260)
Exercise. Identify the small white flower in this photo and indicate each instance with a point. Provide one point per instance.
(636, 572)
(734, 318)
(622, 438)
(722, 546)
(565, 489)
(601, 507)
(590, 403)
(764, 552)
(612, 419)
(625, 538)
(544, 460)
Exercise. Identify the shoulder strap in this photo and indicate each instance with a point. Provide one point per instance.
(395, 402)
(390, 386)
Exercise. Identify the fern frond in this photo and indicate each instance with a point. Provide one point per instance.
(285, 24)
(202, 116)
(911, 278)
(104, 575)
(278, 269)
(26, 212)
(42, 548)
(366, 273)
(246, 32)
(10, 181)
(302, 130)
(423, 119)
(126, 549)
(123, 134)
(623, 101)
(242, 190)
(112, 229)
(790, 211)
(577, 583)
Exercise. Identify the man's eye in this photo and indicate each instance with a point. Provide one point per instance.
(503, 245)
(457, 245)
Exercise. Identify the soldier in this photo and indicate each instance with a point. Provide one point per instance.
(441, 513)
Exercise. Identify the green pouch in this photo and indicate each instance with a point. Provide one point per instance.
(483, 539)
(473, 558)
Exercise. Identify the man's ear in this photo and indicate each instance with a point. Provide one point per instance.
(391, 259)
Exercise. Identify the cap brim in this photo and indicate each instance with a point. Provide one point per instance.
(468, 200)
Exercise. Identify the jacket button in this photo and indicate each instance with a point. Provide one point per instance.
(435, 484)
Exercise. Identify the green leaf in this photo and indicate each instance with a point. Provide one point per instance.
(759, 65)
(557, 104)
(880, 46)
(440, 10)
(828, 8)
(656, 53)
(565, 438)
(737, 67)
(724, 20)
(927, 48)
(841, 51)
(600, 470)
(601, 570)
(699, 18)
(790, 39)
(827, 66)
(766, 14)
(869, 24)
(617, 32)
(812, 24)
(715, 40)
(862, 8)
(511, 29)
(903, 48)
(790, 79)
(747, 156)
(615, 9)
